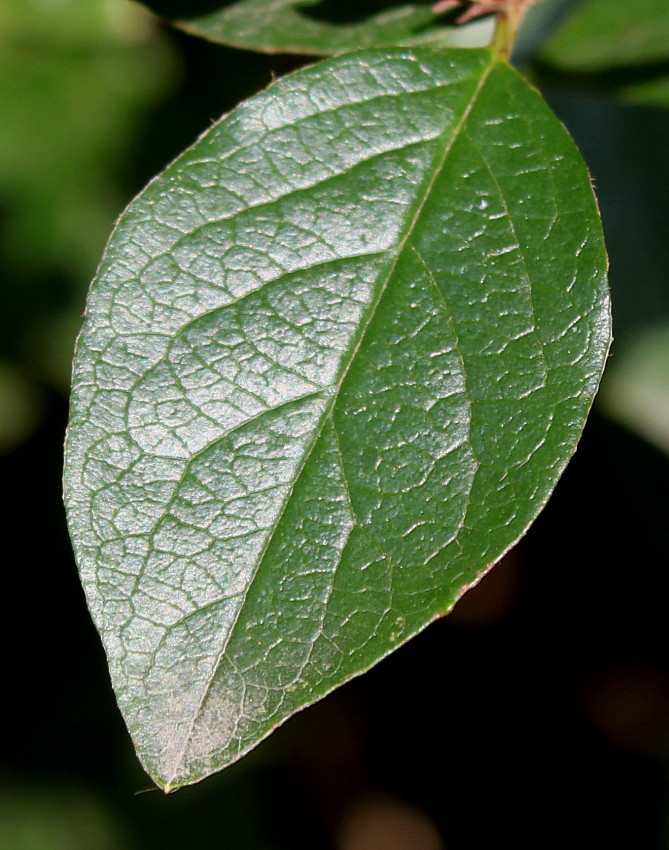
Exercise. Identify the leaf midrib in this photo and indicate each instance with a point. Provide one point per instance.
(454, 134)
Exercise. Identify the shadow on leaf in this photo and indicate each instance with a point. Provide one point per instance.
(353, 11)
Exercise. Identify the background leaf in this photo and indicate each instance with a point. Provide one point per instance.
(636, 391)
(650, 92)
(601, 34)
(334, 362)
(621, 49)
(319, 26)
(77, 81)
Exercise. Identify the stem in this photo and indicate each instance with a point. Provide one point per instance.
(510, 14)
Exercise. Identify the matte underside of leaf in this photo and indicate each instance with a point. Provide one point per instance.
(311, 26)
(334, 361)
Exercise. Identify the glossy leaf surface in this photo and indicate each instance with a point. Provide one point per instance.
(603, 34)
(318, 27)
(335, 359)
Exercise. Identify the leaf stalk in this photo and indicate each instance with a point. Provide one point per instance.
(509, 14)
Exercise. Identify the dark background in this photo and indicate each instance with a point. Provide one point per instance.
(537, 714)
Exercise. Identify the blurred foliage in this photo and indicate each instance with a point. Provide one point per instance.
(20, 407)
(600, 34)
(63, 818)
(636, 391)
(77, 77)
(652, 91)
(620, 48)
(555, 718)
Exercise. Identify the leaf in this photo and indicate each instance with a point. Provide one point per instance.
(318, 27)
(335, 359)
(636, 392)
(78, 81)
(21, 406)
(602, 34)
(651, 92)
(75, 77)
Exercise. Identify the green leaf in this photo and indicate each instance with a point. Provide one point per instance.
(651, 92)
(335, 359)
(21, 406)
(319, 26)
(79, 80)
(636, 389)
(75, 78)
(604, 34)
